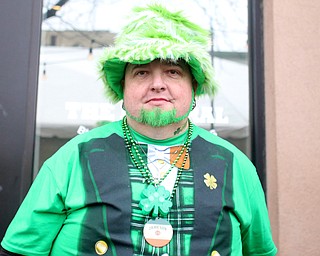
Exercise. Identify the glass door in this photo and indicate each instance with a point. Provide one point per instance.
(71, 97)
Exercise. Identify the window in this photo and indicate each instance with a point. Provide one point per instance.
(53, 40)
(71, 99)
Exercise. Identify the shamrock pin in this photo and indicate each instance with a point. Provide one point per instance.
(155, 200)
(210, 181)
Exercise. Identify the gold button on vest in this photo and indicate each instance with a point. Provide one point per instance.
(101, 247)
(215, 253)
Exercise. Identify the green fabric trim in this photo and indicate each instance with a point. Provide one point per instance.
(114, 78)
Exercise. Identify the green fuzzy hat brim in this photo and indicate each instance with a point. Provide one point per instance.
(157, 33)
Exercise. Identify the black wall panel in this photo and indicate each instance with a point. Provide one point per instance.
(20, 31)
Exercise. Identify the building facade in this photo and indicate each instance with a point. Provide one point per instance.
(292, 113)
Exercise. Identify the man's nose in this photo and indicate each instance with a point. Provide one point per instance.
(158, 83)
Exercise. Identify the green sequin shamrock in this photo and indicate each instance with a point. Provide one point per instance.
(155, 200)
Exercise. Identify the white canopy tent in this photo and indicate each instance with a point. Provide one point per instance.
(71, 95)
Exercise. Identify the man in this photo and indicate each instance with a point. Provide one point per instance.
(152, 183)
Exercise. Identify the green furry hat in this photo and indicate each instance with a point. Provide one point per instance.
(156, 33)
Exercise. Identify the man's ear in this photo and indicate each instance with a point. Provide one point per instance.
(194, 86)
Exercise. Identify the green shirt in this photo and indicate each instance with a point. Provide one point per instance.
(87, 194)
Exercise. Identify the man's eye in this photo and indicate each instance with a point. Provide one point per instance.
(140, 73)
(174, 72)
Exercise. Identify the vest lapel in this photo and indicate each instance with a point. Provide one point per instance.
(107, 183)
(211, 164)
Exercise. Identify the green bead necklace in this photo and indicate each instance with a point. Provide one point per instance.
(155, 199)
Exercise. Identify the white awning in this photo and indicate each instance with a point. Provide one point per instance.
(72, 95)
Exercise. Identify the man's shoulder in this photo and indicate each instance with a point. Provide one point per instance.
(102, 131)
(216, 140)
(212, 137)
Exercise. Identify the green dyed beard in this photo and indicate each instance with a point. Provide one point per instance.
(157, 117)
